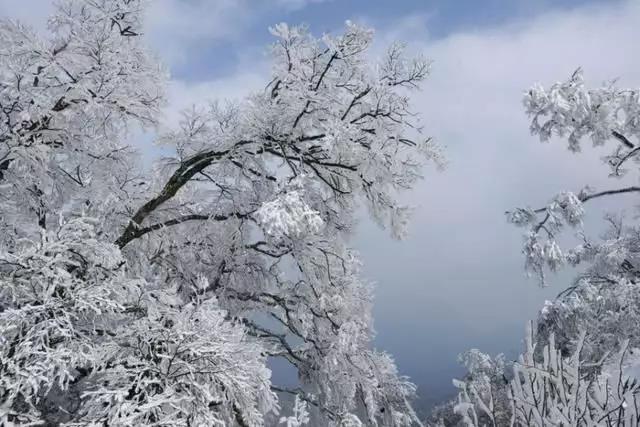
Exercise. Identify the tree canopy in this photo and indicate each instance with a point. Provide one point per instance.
(135, 297)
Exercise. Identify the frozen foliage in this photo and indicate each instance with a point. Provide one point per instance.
(548, 389)
(485, 386)
(542, 253)
(571, 110)
(135, 298)
(289, 215)
(606, 307)
(57, 292)
(552, 390)
(73, 322)
(188, 366)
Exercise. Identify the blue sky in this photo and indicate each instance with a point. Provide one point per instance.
(457, 281)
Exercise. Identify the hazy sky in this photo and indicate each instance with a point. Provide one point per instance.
(457, 281)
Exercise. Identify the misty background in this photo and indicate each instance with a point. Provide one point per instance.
(457, 282)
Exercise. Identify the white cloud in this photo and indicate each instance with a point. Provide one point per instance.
(176, 27)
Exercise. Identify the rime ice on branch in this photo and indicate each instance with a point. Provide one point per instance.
(570, 110)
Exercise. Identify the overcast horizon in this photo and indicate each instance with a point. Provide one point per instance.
(457, 281)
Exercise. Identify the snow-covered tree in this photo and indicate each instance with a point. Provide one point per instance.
(580, 363)
(139, 298)
(486, 385)
(603, 115)
(552, 390)
(549, 389)
(603, 299)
